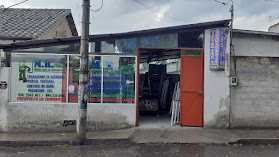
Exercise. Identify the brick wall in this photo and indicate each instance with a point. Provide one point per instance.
(60, 30)
(255, 101)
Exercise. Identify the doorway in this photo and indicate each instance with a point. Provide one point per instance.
(159, 72)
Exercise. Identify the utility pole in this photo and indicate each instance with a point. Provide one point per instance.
(231, 27)
(83, 75)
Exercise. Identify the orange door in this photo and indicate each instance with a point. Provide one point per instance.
(191, 87)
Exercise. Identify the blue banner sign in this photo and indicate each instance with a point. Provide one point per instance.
(217, 49)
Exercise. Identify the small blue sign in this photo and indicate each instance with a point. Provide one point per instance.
(217, 49)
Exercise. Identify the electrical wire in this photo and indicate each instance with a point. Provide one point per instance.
(223, 2)
(179, 18)
(76, 11)
(16, 4)
(99, 8)
(261, 53)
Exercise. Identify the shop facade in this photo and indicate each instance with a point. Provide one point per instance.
(42, 79)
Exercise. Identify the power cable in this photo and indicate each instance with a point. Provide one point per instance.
(76, 10)
(179, 18)
(223, 2)
(15, 5)
(261, 53)
(99, 8)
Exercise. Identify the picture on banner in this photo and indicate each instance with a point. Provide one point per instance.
(38, 78)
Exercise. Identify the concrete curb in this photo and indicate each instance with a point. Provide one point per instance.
(54, 143)
(36, 143)
(146, 136)
(266, 141)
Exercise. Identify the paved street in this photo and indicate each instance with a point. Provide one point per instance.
(124, 149)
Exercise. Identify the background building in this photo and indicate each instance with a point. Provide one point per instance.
(17, 25)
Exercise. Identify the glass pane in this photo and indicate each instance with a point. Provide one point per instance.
(95, 78)
(119, 79)
(73, 78)
(56, 49)
(94, 82)
(38, 77)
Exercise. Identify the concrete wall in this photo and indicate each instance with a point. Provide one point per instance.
(216, 90)
(49, 117)
(255, 45)
(274, 28)
(60, 30)
(254, 102)
(4, 94)
(44, 117)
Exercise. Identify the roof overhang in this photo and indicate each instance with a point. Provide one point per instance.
(15, 38)
(105, 37)
(255, 32)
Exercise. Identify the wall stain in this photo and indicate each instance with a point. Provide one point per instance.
(103, 121)
(221, 120)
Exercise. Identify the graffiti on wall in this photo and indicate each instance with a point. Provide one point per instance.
(3, 85)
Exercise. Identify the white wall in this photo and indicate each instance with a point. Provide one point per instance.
(216, 90)
(274, 28)
(255, 45)
(4, 94)
(49, 117)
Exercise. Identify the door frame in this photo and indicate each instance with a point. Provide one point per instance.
(202, 58)
(138, 74)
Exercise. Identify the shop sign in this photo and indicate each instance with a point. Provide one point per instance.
(217, 49)
(38, 80)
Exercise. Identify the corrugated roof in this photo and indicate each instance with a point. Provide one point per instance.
(29, 23)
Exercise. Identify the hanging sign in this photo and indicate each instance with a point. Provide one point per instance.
(217, 49)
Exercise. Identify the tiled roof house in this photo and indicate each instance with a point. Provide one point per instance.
(32, 24)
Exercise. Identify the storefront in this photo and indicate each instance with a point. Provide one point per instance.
(132, 77)
(54, 78)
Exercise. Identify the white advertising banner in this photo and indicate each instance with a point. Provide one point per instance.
(38, 78)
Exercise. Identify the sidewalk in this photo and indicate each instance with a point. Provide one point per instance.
(183, 135)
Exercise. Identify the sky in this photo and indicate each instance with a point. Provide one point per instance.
(131, 15)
